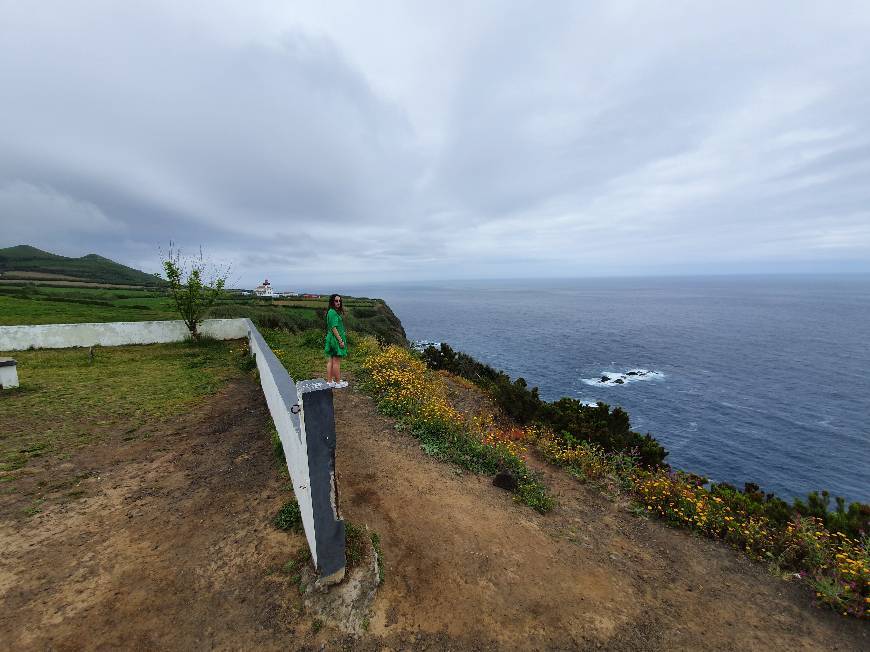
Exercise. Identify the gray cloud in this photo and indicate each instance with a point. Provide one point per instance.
(316, 145)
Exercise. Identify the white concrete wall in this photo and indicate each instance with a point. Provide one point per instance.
(281, 396)
(61, 336)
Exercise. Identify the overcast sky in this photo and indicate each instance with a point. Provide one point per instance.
(326, 143)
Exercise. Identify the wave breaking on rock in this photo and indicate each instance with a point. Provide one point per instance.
(624, 377)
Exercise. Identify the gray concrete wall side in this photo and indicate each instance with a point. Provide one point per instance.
(285, 385)
(280, 392)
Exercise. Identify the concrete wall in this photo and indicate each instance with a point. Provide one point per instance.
(318, 430)
(281, 396)
(305, 422)
(61, 336)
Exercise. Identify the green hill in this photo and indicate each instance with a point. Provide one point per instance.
(26, 262)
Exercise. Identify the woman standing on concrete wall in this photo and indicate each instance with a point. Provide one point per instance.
(335, 346)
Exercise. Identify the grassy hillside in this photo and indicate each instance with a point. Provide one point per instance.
(42, 304)
(26, 262)
(26, 303)
(363, 315)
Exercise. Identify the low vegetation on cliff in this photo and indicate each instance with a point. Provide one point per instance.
(569, 419)
(828, 548)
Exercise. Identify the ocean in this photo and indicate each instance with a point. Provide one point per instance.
(742, 379)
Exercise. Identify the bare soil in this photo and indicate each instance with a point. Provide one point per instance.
(170, 546)
(168, 543)
(467, 568)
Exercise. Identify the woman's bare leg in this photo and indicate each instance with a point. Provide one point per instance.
(337, 369)
(329, 369)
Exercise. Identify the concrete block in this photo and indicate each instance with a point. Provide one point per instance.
(8, 373)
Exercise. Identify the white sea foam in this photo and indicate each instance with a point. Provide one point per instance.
(609, 378)
(422, 345)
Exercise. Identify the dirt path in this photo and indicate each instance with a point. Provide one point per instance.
(171, 547)
(466, 568)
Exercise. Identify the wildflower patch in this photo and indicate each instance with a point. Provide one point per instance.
(405, 389)
(835, 564)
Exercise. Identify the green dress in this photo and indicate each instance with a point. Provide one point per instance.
(331, 347)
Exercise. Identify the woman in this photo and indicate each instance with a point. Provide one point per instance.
(335, 346)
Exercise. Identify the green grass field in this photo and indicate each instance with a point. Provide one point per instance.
(16, 310)
(68, 398)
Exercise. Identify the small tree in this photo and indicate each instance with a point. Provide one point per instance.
(194, 284)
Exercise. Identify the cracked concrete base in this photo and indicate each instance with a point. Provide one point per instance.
(346, 605)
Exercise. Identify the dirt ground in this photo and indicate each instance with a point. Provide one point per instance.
(467, 568)
(171, 546)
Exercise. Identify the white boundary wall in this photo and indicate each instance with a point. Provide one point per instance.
(119, 333)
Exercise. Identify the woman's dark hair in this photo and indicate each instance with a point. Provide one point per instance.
(340, 309)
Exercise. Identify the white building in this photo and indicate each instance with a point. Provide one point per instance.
(264, 290)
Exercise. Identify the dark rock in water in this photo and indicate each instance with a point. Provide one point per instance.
(619, 381)
(605, 379)
(505, 480)
(633, 373)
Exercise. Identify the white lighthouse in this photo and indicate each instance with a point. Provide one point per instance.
(264, 290)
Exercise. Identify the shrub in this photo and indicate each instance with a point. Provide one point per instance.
(194, 286)
(570, 419)
(853, 520)
(610, 429)
(518, 401)
(819, 545)
(290, 320)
